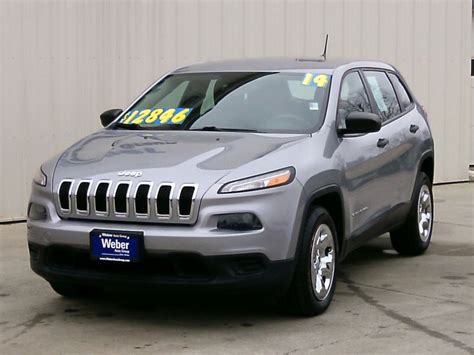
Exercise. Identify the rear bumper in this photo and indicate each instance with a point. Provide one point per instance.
(241, 272)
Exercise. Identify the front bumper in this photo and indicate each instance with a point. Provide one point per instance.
(179, 255)
(279, 210)
(173, 270)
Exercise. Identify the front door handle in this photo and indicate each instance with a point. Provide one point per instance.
(382, 142)
(414, 128)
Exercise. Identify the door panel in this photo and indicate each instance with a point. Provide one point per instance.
(366, 176)
(394, 133)
(410, 127)
(377, 166)
(359, 155)
(403, 157)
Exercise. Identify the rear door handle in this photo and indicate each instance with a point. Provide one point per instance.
(382, 142)
(414, 128)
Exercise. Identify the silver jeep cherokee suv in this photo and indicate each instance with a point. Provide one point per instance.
(241, 174)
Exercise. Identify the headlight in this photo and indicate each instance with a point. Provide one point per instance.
(40, 177)
(264, 181)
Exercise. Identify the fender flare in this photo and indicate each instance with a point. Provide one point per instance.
(313, 196)
(425, 155)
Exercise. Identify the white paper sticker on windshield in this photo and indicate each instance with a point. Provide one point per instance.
(313, 106)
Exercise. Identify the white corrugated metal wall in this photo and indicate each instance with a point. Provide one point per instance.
(64, 62)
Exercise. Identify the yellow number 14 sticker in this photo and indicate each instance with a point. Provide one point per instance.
(320, 81)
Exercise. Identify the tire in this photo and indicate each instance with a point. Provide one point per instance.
(69, 290)
(303, 297)
(414, 236)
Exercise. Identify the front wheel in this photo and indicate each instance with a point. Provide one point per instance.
(414, 236)
(314, 281)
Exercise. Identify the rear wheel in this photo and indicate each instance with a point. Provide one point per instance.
(414, 236)
(314, 281)
(70, 290)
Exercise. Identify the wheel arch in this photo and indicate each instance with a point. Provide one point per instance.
(426, 165)
(330, 198)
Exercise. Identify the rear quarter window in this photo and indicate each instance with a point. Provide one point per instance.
(403, 96)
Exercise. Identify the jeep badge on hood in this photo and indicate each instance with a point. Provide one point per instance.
(130, 173)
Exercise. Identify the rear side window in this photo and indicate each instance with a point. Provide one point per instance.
(383, 93)
(403, 97)
(353, 97)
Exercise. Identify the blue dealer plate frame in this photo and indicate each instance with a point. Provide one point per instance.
(116, 246)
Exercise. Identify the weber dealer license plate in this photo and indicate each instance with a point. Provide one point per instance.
(118, 246)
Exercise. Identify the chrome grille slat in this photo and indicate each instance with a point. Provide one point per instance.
(102, 212)
(146, 201)
(185, 211)
(80, 194)
(137, 199)
(126, 197)
(166, 190)
(68, 193)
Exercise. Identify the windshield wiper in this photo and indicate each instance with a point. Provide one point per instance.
(128, 126)
(219, 129)
(136, 126)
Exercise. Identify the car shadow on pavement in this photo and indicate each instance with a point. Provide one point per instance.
(376, 251)
(187, 307)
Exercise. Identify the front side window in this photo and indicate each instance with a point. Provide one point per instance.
(353, 97)
(383, 94)
(233, 101)
(402, 93)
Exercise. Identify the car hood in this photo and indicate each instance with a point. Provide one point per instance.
(179, 156)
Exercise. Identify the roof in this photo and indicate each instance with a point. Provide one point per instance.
(275, 64)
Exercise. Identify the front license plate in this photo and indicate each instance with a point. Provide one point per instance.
(119, 246)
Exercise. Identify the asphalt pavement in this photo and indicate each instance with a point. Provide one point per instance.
(384, 303)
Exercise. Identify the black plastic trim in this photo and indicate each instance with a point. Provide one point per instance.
(321, 192)
(274, 275)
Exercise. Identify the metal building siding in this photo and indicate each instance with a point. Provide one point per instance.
(64, 62)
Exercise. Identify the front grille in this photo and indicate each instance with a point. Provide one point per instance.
(163, 200)
(82, 197)
(142, 199)
(65, 195)
(101, 197)
(127, 201)
(121, 199)
(186, 200)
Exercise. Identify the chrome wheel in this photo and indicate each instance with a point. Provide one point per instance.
(425, 214)
(322, 261)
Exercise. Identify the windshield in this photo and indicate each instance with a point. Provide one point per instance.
(232, 101)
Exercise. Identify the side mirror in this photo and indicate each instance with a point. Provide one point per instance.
(107, 117)
(361, 122)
